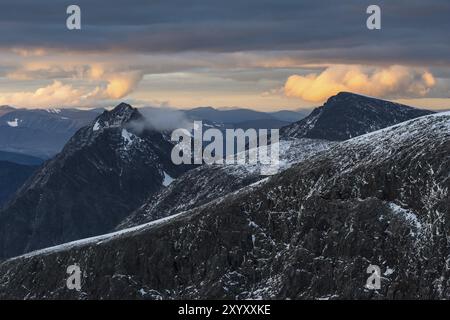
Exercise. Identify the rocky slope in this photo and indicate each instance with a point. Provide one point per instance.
(347, 115)
(103, 173)
(307, 233)
(208, 182)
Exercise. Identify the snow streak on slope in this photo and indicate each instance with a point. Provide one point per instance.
(95, 240)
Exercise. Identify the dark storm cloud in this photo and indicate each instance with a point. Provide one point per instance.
(413, 32)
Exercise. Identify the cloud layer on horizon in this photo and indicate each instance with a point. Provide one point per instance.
(222, 53)
(116, 86)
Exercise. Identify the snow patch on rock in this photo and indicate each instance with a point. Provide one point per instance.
(96, 126)
(408, 215)
(167, 179)
(127, 137)
(14, 123)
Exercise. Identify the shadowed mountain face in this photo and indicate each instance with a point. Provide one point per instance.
(103, 173)
(309, 232)
(348, 115)
(12, 176)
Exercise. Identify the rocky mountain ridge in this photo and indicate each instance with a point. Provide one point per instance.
(103, 173)
(347, 115)
(309, 232)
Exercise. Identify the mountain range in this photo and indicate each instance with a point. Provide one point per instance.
(238, 115)
(40, 133)
(362, 182)
(20, 158)
(43, 133)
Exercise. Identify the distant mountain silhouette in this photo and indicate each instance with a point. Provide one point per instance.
(40, 133)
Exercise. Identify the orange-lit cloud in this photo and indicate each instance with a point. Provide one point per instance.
(246, 79)
(29, 52)
(113, 86)
(122, 84)
(394, 81)
(76, 83)
(55, 94)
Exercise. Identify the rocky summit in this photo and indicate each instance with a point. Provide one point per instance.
(347, 115)
(103, 173)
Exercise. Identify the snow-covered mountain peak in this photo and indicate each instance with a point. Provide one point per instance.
(117, 117)
(115, 126)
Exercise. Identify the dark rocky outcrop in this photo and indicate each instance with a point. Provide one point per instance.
(209, 182)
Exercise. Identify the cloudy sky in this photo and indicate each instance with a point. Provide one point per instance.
(266, 55)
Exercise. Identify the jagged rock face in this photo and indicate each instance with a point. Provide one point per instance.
(104, 172)
(349, 115)
(309, 232)
(344, 116)
(209, 182)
